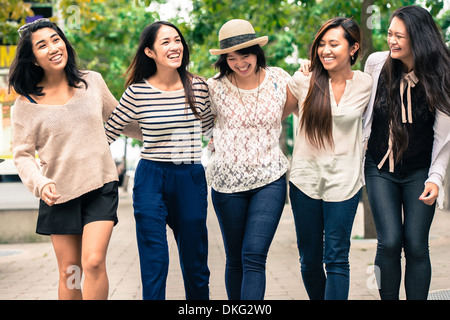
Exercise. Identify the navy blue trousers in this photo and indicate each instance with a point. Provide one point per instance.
(175, 195)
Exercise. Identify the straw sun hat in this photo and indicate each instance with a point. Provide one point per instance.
(237, 34)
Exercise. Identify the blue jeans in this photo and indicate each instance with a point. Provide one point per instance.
(168, 194)
(323, 237)
(399, 229)
(248, 221)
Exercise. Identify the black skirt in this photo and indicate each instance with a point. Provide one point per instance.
(71, 217)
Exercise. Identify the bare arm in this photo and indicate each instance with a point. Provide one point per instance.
(291, 105)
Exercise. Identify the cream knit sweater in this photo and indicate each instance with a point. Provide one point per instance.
(70, 139)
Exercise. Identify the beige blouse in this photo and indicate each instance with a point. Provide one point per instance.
(332, 173)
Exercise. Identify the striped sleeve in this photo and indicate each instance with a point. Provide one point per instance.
(204, 104)
(170, 130)
(123, 115)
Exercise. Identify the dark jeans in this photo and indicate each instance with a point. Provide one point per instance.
(323, 237)
(248, 221)
(399, 229)
(175, 195)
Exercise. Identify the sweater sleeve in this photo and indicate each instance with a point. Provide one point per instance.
(24, 150)
(374, 64)
(441, 153)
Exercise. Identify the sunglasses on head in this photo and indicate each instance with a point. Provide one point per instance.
(30, 24)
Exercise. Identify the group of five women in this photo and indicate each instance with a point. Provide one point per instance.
(391, 124)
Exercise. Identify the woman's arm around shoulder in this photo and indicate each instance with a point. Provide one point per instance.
(122, 116)
(204, 103)
(364, 82)
(291, 105)
(296, 88)
(109, 105)
(375, 62)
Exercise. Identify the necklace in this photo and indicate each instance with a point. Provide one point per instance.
(257, 94)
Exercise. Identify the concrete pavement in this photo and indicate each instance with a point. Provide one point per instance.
(28, 271)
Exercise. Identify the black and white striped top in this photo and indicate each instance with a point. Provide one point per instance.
(170, 130)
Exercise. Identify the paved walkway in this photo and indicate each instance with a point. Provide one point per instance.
(29, 270)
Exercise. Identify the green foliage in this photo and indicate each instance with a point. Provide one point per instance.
(289, 23)
(107, 33)
(12, 16)
(107, 38)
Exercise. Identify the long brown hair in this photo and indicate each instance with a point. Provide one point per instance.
(316, 118)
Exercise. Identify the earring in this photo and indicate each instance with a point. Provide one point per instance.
(36, 64)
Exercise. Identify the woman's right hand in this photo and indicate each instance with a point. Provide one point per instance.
(305, 67)
(210, 146)
(49, 194)
(430, 193)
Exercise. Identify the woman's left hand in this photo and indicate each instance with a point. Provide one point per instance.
(429, 194)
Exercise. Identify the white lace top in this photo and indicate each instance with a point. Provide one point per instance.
(246, 135)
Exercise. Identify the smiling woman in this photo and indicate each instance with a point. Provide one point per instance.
(173, 110)
(399, 43)
(247, 172)
(50, 53)
(167, 52)
(408, 150)
(43, 46)
(77, 181)
(326, 172)
(48, 44)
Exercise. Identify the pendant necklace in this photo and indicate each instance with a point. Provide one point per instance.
(257, 94)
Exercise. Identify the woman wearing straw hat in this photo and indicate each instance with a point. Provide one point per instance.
(247, 170)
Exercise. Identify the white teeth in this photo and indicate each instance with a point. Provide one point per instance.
(56, 58)
(328, 59)
(243, 69)
(174, 56)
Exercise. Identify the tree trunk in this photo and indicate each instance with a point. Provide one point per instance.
(367, 26)
(366, 30)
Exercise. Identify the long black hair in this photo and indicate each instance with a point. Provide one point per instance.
(431, 66)
(143, 67)
(24, 75)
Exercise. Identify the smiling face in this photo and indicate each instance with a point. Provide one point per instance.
(334, 51)
(242, 65)
(49, 50)
(399, 42)
(167, 50)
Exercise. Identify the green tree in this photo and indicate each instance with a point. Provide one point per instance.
(12, 16)
(107, 35)
(291, 27)
(289, 23)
